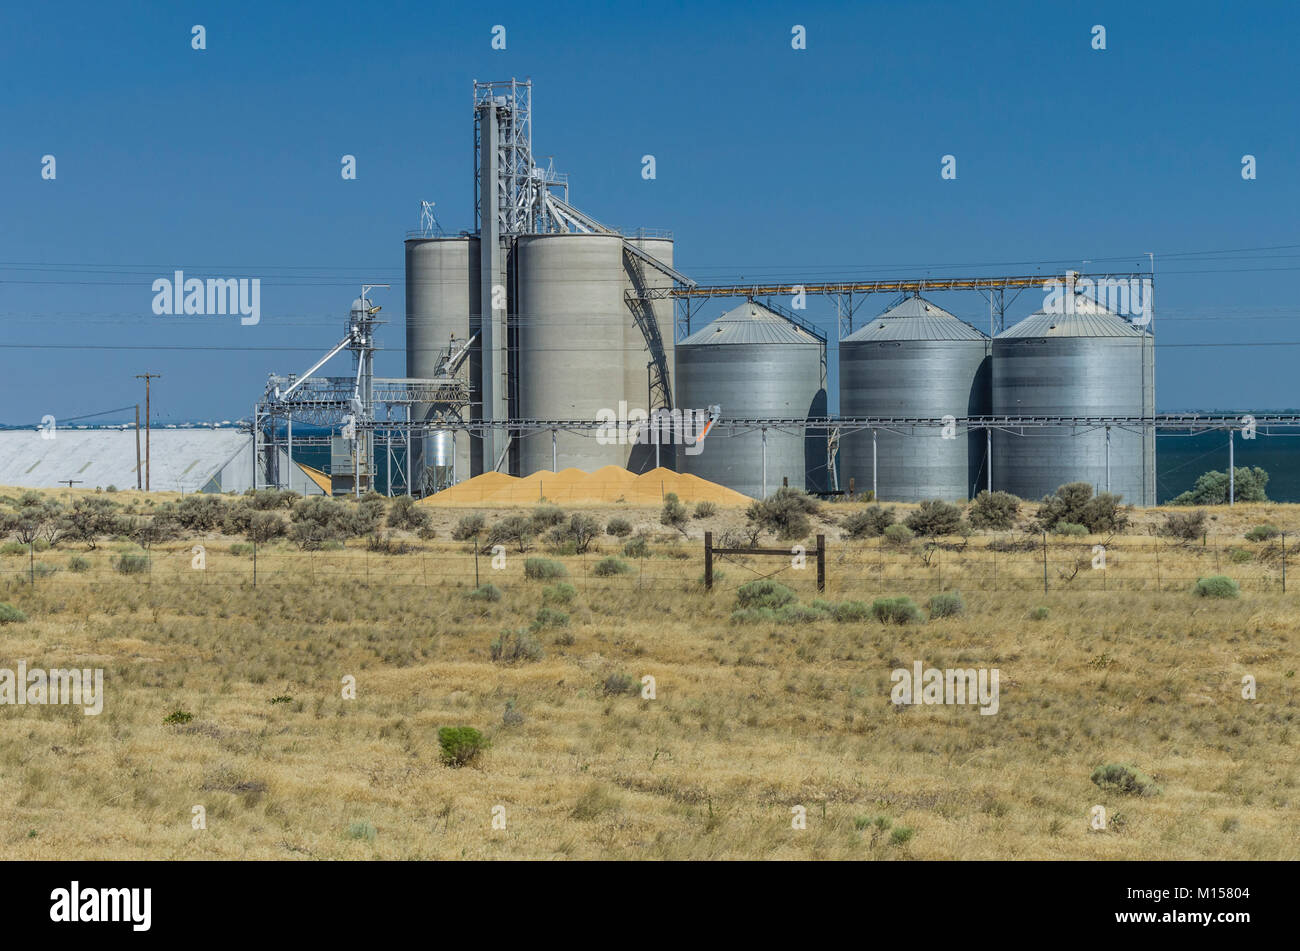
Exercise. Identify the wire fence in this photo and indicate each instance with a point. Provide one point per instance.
(854, 569)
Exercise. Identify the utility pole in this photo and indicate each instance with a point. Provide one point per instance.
(139, 474)
(147, 417)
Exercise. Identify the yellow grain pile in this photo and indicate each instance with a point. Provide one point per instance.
(610, 484)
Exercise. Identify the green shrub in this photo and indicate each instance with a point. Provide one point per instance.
(549, 617)
(900, 835)
(935, 517)
(618, 527)
(407, 514)
(542, 568)
(784, 513)
(801, 614)
(41, 570)
(1074, 503)
(547, 516)
(469, 527)
(1184, 526)
(582, 531)
(516, 646)
(1070, 529)
(608, 567)
(362, 830)
(763, 593)
(947, 604)
(620, 684)
(895, 610)
(241, 548)
(10, 614)
(850, 611)
(177, 717)
(517, 531)
(13, 548)
(674, 513)
(704, 510)
(78, 565)
(1124, 779)
(638, 547)
(994, 510)
(869, 523)
(460, 745)
(1212, 488)
(753, 616)
(132, 564)
(1262, 533)
(898, 535)
(561, 593)
(485, 592)
(1039, 614)
(1239, 556)
(1217, 586)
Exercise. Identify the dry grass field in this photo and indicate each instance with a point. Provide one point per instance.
(751, 719)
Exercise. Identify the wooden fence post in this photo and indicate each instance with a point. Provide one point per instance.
(708, 560)
(821, 562)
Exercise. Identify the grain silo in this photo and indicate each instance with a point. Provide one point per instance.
(915, 359)
(637, 356)
(1084, 361)
(571, 320)
(754, 363)
(442, 301)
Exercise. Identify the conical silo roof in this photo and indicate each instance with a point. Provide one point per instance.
(915, 319)
(750, 323)
(1089, 319)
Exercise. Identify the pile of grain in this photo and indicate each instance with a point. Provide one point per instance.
(610, 484)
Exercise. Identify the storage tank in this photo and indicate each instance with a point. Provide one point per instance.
(1090, 362)
(915, 359)
(442, 298)
(755, 363)
(571, 319)
(640, 275)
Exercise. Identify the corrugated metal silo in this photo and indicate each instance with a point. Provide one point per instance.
(636, 373)
(442, 299)
(755, 363)
(571, 319)
(915, 359)
(1090, 362)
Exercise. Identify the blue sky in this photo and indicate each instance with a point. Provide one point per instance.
(771, 163)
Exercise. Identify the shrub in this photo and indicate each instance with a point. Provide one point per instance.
(607, 567)
(362, 830)
(78, 565)
(704, 510)
(898, 534)
(784, 513)
(241, 548)
(10, 614)
(674, 513)
(583, 530)
(514, 646)
(763, 593)
(13, 548)
(934, 517)
(619, 527)
(1212, 488)
(869, 523)
(318, 520)
(946, 604)
(900, 835)
(849, 611)
(517, 531)
(1070, 529)
(407, 514)
(543, 568)
(1239, 556)
(368, 514)
(801, 613)
(1075, 503)
(547, 516)
(618, 684)
(895, 610)
(201, 512)
(638, 547)
(1217, 586)
(1185, 526)
(549, 617)
(41, 570)
(511, 716)
(485, 592)
(1039, 614)
(177, 717)
(1124, 779)
(132, 564)
(1262, 533)
(469, 526)
(460, 745)
(90, 518)
(264, 526)
(994, 510)
(561, 593)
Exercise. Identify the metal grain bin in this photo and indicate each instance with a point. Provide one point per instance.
(1090, 362)
(915, 359)
(755, 363)
(636, 354)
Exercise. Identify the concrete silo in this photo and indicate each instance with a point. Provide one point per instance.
(442, 302)
(572, 332)
(755, 363)
(915, 359)
(1086, 361)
